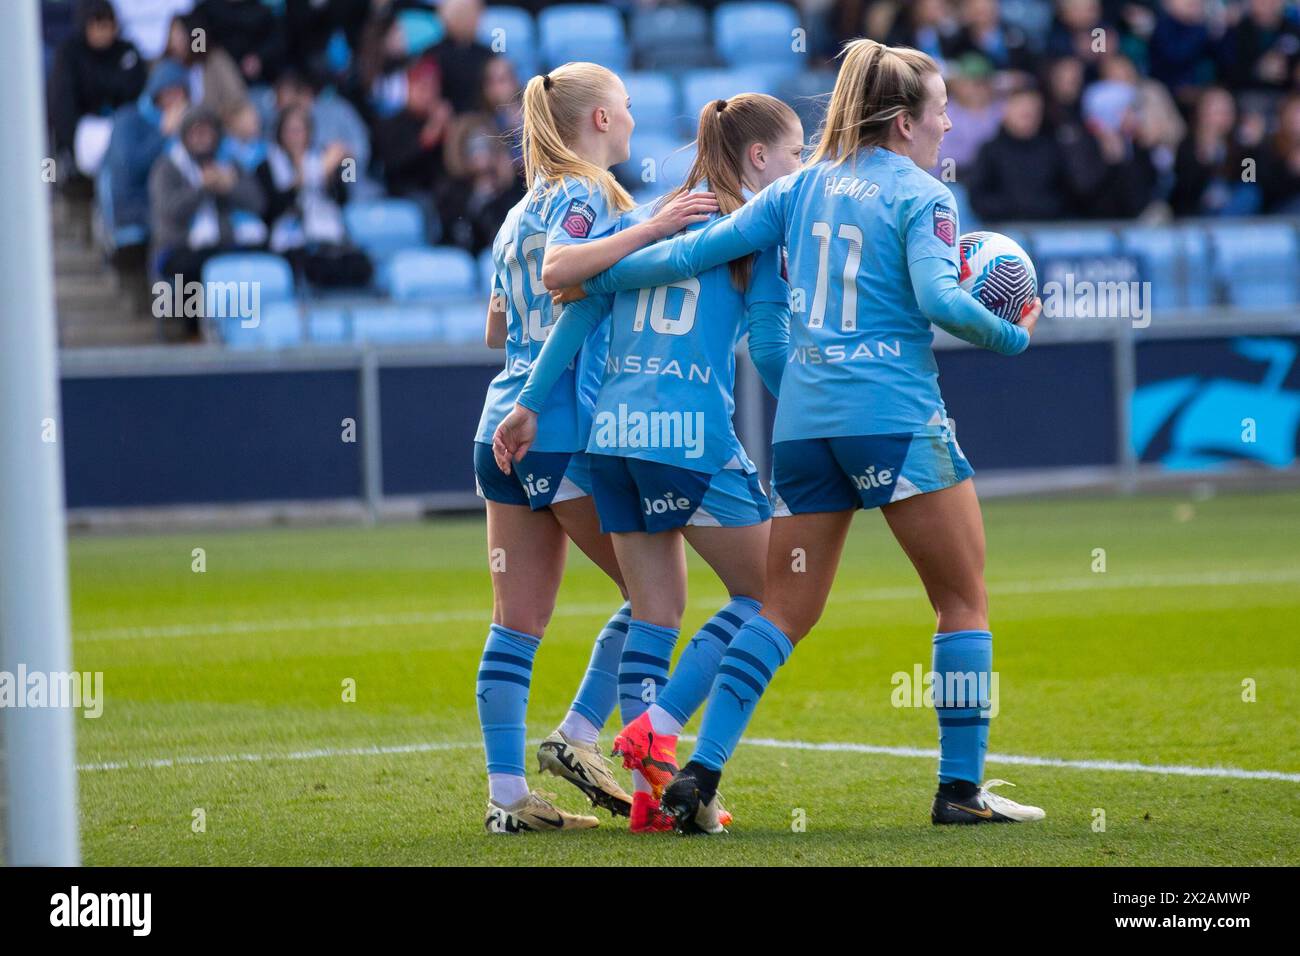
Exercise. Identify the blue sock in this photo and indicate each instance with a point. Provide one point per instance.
(963, 661)
(747, 668)
(643, 669)
(698, 665)
(598, 692)
(503, 680)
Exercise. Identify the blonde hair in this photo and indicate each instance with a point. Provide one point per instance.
(555, 106)
(876, 84)
(727, 129)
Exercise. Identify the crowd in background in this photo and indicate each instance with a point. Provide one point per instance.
(249, 124)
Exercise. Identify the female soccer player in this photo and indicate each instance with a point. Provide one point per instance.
(873, 242)
(576, 125)
(666, 464)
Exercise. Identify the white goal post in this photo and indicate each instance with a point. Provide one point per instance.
(38, 785)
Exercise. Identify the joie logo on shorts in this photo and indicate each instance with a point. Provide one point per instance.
(873, 479)
(536, 486)
(669, 502)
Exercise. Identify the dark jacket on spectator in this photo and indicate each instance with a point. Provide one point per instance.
(462, 72)
(241, 27)
(409, 167)
(174, 201)
(1247, 43)
(1016, 179)
(86, 81)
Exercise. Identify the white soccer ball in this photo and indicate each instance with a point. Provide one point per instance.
(997, 272)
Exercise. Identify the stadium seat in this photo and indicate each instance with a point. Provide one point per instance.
(657, 162)
(383, 226)
(395, 324)
(328, 325)
(757, 32)
(431, 273)
(279, 325)
(463, 322)
(1164, 262)
(672, 38)
(703, 86)
(511, 31)
(583, 31)
(654, 100)
(487, 269)
(808, 93)
(1074, 242)
(229, 276)
(1255, 263)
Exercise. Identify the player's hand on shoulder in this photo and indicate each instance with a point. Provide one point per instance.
(684, 210)
(1029, 317)
(514, 436)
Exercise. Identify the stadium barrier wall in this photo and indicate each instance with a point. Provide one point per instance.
(167, 427)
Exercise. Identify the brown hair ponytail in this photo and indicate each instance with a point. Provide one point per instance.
(727, 129)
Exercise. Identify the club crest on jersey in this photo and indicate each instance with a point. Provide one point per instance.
(578, 219)
(945, 225)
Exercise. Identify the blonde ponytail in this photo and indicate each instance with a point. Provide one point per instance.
(555, 105)
(876, 84)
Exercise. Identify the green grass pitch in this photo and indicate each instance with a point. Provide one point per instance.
(225, 694)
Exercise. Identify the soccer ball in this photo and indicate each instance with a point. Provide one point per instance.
(997, 272)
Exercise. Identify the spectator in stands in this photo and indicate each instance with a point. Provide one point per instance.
(249, 31)
(1018, 174)
(1110, 114)
(141, 131)
(305, 192)
(409, 144)
(1279, 167)
(323, 36)
(391, 42)
(1181, 48)
(1208, 170)
(95, 72)
(1074, 33)
(199, 205)
(502, 104)
(1262, 51)
(214, 79)
(333, 118)
(243, 144)
(485, 182)
(982, 31)
(924, 25)
(973, 107)
(460, 56)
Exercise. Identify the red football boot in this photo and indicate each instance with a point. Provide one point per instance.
(647, 817)
(655, 755)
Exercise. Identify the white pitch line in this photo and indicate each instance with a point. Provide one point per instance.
(1088, 582)
(1108, 766)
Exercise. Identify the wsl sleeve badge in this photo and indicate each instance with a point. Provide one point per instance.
(945, 225)
(578, 219)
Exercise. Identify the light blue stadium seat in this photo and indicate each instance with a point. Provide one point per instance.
(431, 272)
(327, 325)
(1179, 279)
(463, 322)
(1255, 263)
(758, 32)
(1074, 242)
(582, 31)
(237, 281)
(279, 325)
(383, 226)
(487, 269)
(654, 100)
(395, 324)
(512, 32)
(655, 163)
(703, 86)
(673, 38)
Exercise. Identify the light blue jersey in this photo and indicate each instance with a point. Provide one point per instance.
(576, 213)
(667, 394)
(873, 260)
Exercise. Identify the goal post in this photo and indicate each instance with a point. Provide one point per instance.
(38, 785)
